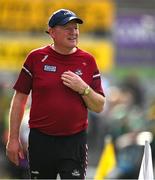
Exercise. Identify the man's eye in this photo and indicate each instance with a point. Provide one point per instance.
(68, 29)
(71, 29)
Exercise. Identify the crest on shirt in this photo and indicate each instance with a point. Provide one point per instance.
(78, 72)
(49, 68)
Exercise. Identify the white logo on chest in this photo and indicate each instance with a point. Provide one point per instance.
(49, 68)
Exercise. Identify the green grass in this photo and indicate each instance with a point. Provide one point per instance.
(143, 72)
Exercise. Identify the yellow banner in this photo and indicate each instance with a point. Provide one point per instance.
(13, 52)
(28, 15)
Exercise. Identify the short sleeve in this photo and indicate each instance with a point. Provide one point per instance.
(96, 82)
(24, 81)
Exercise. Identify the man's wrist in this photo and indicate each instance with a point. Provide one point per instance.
(86, 91)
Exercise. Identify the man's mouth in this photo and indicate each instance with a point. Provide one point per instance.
(73, 38)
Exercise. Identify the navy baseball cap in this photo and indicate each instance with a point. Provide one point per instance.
(62, 17)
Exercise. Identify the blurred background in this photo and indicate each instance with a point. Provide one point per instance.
(121, 36)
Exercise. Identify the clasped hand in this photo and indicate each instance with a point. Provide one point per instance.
(73, 81)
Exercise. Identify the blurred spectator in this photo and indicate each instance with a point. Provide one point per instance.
(4, 104)
(124, 107)
(132, 85)
(7, 169)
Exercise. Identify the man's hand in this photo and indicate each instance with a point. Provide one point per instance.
(14, 148)
(94, 101)
(14, 151)
(73, 81)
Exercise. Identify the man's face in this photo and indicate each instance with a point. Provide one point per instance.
(66, 36)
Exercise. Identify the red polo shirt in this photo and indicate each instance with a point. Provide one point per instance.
(55, 108)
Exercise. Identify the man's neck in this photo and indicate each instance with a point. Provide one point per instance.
(63, 51)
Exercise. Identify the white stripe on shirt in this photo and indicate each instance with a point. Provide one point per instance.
(96, 75)
(27, 71)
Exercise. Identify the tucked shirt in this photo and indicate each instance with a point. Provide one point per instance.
(56, 109)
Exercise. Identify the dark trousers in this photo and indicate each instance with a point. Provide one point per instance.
(53, 155)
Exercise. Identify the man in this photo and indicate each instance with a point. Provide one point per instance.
(64, 81)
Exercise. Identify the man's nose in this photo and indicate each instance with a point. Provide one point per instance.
(73, 30)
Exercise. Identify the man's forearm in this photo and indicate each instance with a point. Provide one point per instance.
(16, 115)
(94, 101)
(14, 149)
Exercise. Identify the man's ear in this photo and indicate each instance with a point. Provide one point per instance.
(51, 32)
